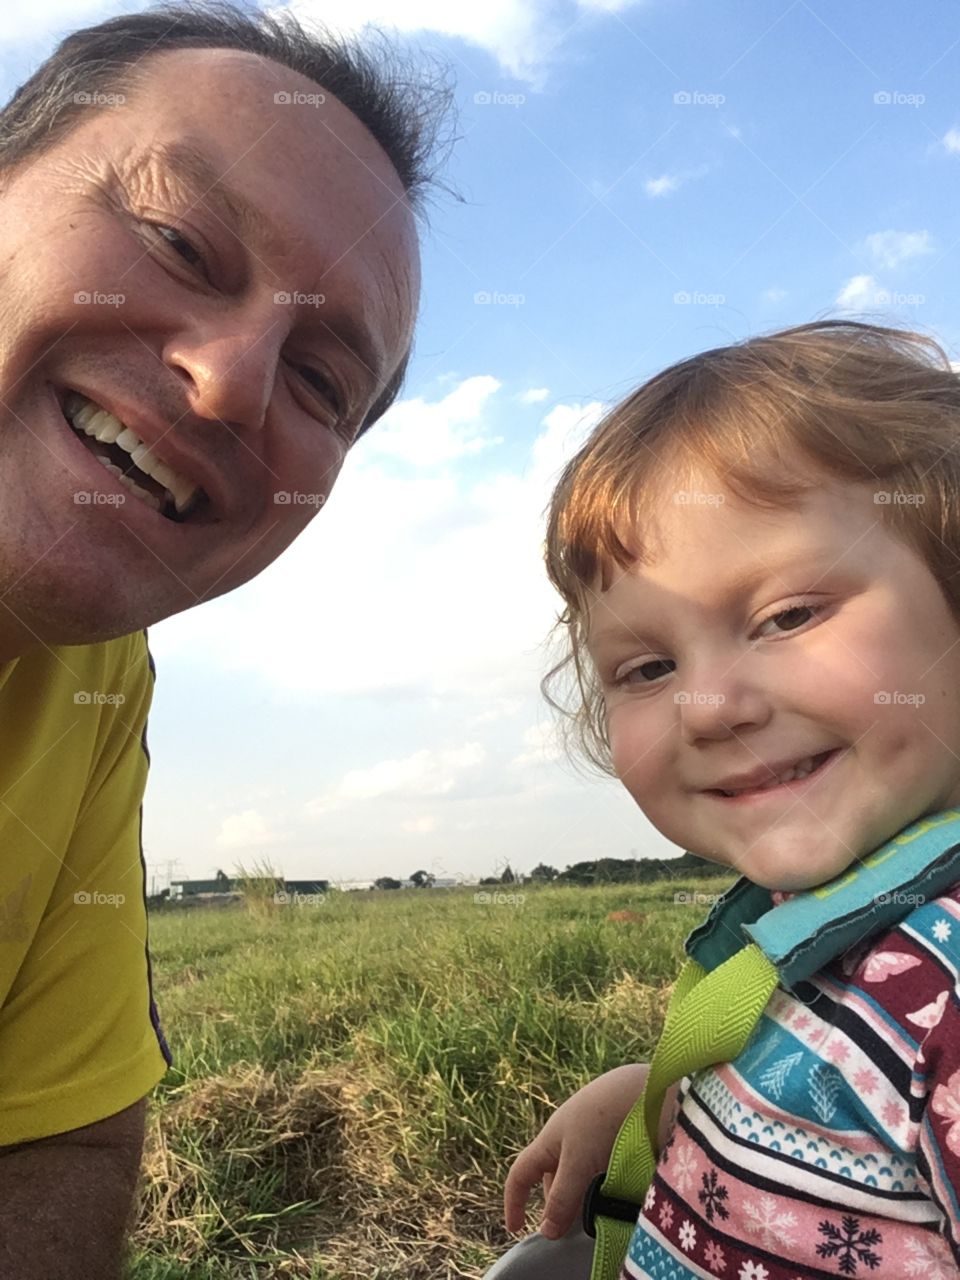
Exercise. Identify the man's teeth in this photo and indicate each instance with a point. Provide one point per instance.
(89, 418)
(800, 770)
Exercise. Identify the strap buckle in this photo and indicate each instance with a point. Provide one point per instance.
(595, 1202)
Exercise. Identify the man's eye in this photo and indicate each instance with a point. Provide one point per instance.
(323, 384)
(171, 235)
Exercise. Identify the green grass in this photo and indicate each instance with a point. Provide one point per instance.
(352, 1078)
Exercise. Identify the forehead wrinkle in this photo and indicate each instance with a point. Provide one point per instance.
(185, 159)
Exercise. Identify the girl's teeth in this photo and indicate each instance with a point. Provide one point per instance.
(800, 770)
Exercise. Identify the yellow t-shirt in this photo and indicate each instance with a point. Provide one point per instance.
(80, 1038)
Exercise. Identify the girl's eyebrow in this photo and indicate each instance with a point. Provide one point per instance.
(738, 585)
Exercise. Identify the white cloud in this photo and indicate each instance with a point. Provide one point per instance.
(774, 295)
(245, 830)
(427, 434)
(656, 187)
(425, 582)
(860, 293)
(520, 34)
(534, 395)
(890, 248)
(951, 140)
(421, 826)
(51, 19)
(425, 773)
(542, 746)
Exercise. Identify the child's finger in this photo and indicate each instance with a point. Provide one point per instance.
(525, 1172)
(547, 1184)
(564, 1198)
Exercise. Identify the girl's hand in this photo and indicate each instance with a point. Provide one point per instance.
(571, 1148)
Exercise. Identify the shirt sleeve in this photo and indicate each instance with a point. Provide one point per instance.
(80, 1039)
(936, 1089)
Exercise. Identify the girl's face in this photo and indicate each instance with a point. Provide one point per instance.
(757, 639)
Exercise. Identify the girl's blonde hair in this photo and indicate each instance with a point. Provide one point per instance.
(856, 402)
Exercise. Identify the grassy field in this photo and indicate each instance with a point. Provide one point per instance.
(353, 1077)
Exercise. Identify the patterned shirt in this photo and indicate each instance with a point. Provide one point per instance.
(831, 1145)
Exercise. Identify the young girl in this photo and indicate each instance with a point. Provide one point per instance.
(759, 553)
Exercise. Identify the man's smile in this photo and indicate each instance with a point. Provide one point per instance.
(145, 462)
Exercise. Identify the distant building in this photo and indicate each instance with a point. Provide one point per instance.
(191, 888)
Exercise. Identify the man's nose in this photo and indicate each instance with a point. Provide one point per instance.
(230, 372)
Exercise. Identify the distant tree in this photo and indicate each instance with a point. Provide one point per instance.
(386, 882)
(221, 877)
(508, 877)
(544, 872)
(490, 880)
(422, 879)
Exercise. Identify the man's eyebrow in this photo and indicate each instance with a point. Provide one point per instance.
(738, 586)
(187, 157)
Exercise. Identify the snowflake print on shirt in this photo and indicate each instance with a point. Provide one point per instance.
(941, 930)
(774, 1228)
(649, 1198)
(946, 1102)
(688, 1235)
(712, 1196)
(892, 1114)
(715, 1257)
(683, 1170)
(930, 1259)
(865, 1080)
(838, 1052)
(753, 1271)
(848, 1243)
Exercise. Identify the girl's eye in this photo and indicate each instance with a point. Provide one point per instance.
(645, 666)
(796, 608)
(813, 610)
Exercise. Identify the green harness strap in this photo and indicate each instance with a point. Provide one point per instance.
(710, 1019)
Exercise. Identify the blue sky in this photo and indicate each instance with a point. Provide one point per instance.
(640, 181)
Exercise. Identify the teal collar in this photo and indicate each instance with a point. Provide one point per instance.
(804, 933)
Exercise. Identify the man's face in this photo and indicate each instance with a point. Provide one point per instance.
(247, 373)
(843, 642)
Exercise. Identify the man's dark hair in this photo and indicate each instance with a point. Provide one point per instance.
(399, 105)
